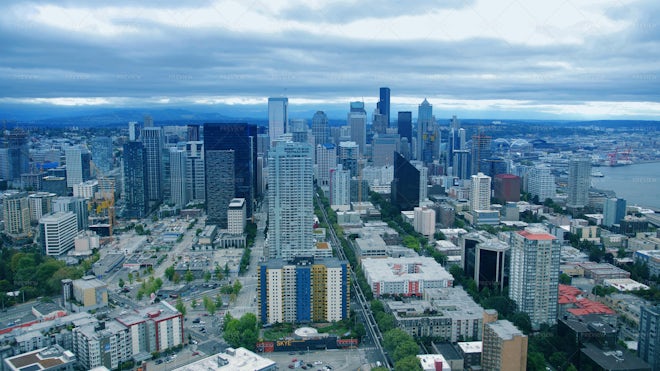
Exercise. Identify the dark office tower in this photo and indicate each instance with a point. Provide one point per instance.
(405, 125)
(320, 128)
(480, 150)
(192, 133)
(493, 166)
(383, 105)
(148, 121)
(102, 155)
(649, 336)
(405, 186)
(614, 209)
(152, 139)
(17, 156)
(507, 188)
(166, 174)
(242, 139)
(220, 185)
(136, 192)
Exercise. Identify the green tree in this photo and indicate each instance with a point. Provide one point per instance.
(409, 363)
(535, 361)
(218, 273)
(188, 276)
(194, 304)
(176, 278)
(405, 349)
(130, 278)
(207, 276)
(564, 279)
(218, 301)
(180, 306)
(121, 283)
(169, 273)
(237, 287)
(242, 332)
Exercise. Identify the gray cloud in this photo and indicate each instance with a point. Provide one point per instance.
(170, 61)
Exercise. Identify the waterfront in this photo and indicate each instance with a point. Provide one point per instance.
(638, 183)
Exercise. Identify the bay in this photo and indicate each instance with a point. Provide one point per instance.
(638, 184)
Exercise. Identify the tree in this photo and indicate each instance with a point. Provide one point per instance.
(409, 363)
(121, 283)
(237, 287)
(176, 278)
(194, 304)
(535, 361)
(218, 273)
(564, 279)
(218, 301)
(189, 277)
(242, 332)
(207, 276)
(169, 272)
(180, 306)
(405, 349)
(130, 278)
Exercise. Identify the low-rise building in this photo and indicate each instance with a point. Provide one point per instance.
(90, 293)
(447, 313)
(53, 358)
(433, 362)
(651, 258)
(624, 284)
(601, 271)
(239, 359)
(407, 276)
(107, 344)
(155, 328)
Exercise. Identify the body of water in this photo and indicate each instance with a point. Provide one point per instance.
(638, 184)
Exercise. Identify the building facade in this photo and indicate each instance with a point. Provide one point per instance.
(236, 216)
(648, 347)
(290, 200)
(534, 274)
(278, 117)
(58, 232)
(579, 181)
(504, 347)
(136, 192)
(303, 290)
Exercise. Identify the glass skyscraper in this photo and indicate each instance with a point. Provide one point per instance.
(383, 105)
(136, 193)
(152, 139)
(278, 117)
(219, 138)
(320, 128)
(102, 154)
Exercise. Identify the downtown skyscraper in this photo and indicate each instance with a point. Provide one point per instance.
(230, 157)
(152, 139)
(320, 128)
(428, 138)
(579, 181)
(278, 117)
(290, 200)
(77, 165)
(357, 122)
(102, 155)
(134, 173)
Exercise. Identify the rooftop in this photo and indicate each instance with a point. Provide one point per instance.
(614, 359)
(536, 235)
(470, 346)
(505, 329)
(405, 268)
(239, 359)
(40, 359)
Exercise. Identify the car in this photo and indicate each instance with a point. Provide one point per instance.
(195, 353)
(159, 361)
(196, 320)
(318, 362)
(291, 366)
(309, 365)
(303, 367)
(294, 360)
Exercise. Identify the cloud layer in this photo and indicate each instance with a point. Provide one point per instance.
(579, 58)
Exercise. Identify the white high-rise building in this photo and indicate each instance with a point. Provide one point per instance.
(77, 165)
(178, 177)
(480, 192)
(540, 182)
(41, 203)
(326, 159)
(424, 221)
(579, 181)
(58, 232)
(290, 200)
(86, 189)
(236, 216)
(278, 117)
(357, 120)
(195, 181)
(340, 187)
(423, 180)
(534, 274)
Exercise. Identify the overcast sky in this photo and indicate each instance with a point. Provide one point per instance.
(570, 59)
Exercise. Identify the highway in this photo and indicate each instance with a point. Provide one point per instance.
(367, 315)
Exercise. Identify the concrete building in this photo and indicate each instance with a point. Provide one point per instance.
(106, 344)
(648, 347)
(433, 362)
(447, 313)
(16, 214)
(303, 290)
(195, 173)
(53, 358)
(534, 274)
(651, 258)
(41, 203)
(58, 232)
(87, 189)
(424, 221)
(357, 121)
(614, 210)
(326, 159)
(236, 216)
(340, 187)
(540, 182)
(480, 192)
(178, 177)
(155, 328)
(506, 187)
(504, 347)
(291, 197)
(90, 292)
(239, 359)
(579, 181)
(409, 276)
(278, 117)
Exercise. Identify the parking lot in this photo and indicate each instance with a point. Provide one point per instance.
(338, 360)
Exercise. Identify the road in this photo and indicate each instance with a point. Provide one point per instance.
(367, 316)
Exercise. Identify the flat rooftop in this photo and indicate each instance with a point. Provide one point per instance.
(239, 359)
(505, 329)
(405, 268)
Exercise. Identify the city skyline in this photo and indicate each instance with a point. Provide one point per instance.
(577, 60)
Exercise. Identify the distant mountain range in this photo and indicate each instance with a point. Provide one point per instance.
(86, 116)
